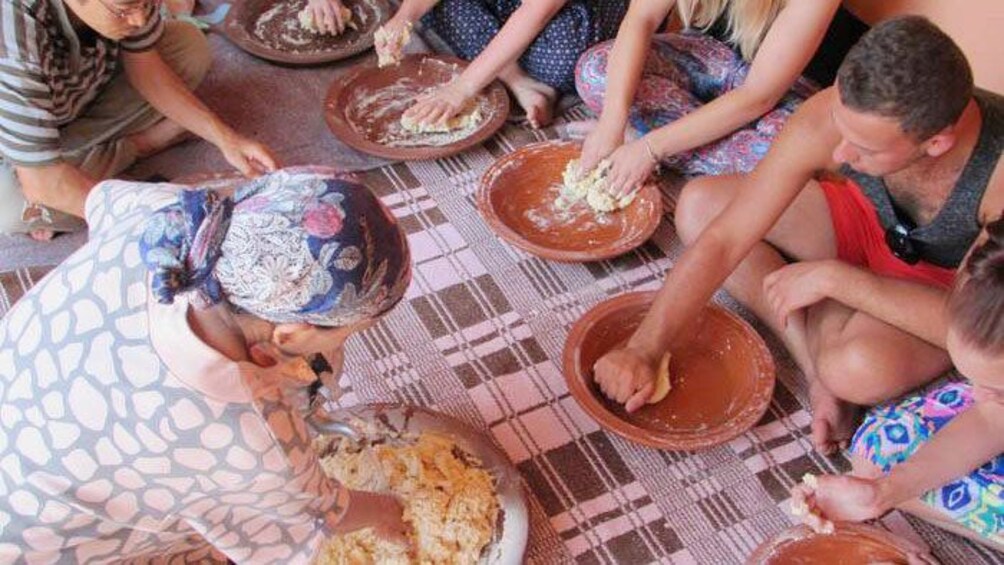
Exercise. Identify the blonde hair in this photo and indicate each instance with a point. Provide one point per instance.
(748, 20)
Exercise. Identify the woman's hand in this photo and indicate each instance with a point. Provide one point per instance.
(842, 498)
(599, 144)
(440, 105)
(247, 155)
(329, 16)
(630, 166)
(391, 39)
(381, 512)
(626, 375)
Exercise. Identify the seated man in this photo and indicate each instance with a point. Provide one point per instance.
(85, 86)
(851, 272)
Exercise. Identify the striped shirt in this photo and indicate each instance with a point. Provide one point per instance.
(50, 72)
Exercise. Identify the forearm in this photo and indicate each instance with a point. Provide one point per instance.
(970, 440)
(164, 90)
(625, 66)
(519, 31)
(916, 308)
(413, 10)
(62, 186)
(710, 122)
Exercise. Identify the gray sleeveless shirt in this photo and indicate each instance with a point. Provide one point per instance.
(946, 240)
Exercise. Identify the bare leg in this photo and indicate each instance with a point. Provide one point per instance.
(536, 98)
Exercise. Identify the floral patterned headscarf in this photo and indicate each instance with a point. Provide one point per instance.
(296, 245)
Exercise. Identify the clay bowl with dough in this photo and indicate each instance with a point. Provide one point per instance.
(721, 372)
(516, 197)
(239, 24)
(849, 544)
(363, 107)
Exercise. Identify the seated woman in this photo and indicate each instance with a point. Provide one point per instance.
(144, 382)
(710, 100)
(940, 454)
(532, 47)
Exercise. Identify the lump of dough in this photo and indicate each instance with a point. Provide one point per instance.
(662, 384)
(306, 18)
(466, 119)
(590, 187)
(393, 50)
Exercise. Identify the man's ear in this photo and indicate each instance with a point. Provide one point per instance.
(941, 142)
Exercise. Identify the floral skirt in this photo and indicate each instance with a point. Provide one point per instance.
(891, 433)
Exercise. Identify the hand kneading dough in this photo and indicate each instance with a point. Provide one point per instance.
(393, 52)
(662, 384)
(591, 187)
(466, 119)
(306, 18)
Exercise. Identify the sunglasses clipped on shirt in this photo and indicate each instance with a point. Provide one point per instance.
(897, 237)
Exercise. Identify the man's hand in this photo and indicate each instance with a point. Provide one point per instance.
(627, 376)
(799, 285)
(247, 155)
(441, 104)
(328, 16)
(381, 512)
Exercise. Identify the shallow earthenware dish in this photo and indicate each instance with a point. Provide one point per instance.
(363, 108)
(391, 421)
(849, 544)
(517, 198)
(721, 371)
(239, 24)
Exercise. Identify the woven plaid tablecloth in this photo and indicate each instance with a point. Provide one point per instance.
(480, 335)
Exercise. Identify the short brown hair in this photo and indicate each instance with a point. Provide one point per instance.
(976, 305)
(907, 69)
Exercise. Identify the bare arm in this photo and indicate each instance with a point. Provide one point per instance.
(164, 90)
(624, 70)
(971, 439)
(60, 186)
(519, 31)
(788, 47)
(800, 151)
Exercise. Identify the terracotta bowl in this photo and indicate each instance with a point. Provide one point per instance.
(850, 544)
(239, 25)
(516, 197)
(359, 118)
(722, 376)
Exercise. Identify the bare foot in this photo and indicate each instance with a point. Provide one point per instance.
(536, 98)
(833, 420)
(158, 137)
(42, 234)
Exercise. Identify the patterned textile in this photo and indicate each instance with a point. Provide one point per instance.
(468, 26)
(479, 336)
(293, 246)
(683, 72)
(49, 72)
(894, 432)
(126, 438)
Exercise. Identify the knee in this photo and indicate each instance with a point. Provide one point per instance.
(186, 50)
(591, 74)
(852, 372)
(696, 207)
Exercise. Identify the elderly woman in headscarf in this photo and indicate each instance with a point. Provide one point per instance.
(144, 382)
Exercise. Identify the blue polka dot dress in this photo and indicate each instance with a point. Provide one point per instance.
(468, 26)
